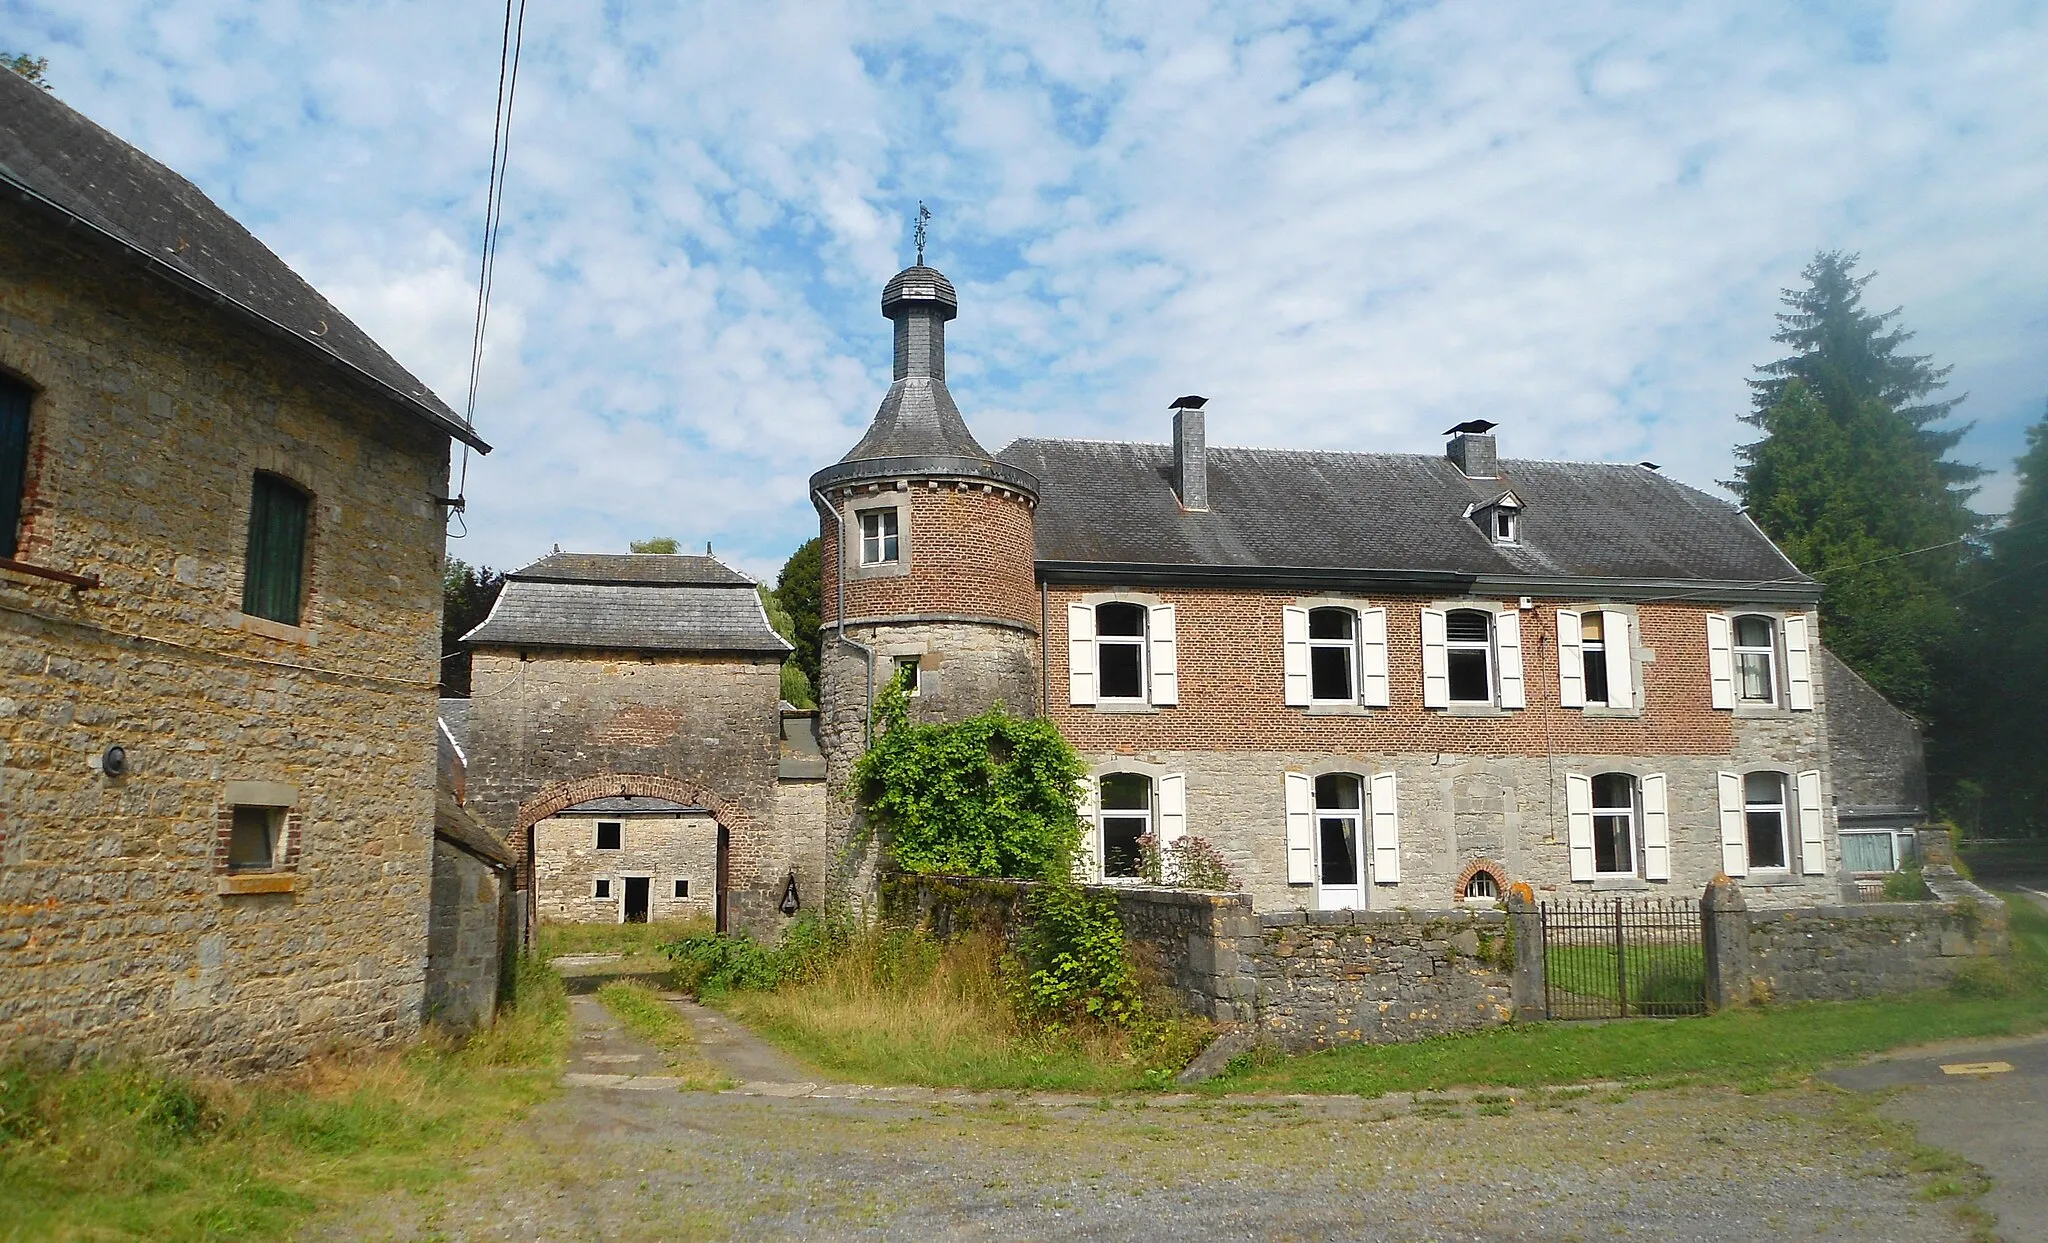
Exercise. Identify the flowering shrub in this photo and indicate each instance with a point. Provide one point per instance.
(1190, 863)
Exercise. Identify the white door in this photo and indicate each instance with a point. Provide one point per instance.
(1340, 843)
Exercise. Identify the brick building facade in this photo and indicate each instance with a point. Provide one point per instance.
(219, 617)
(1369, 680)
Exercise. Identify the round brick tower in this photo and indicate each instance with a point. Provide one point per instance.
(928, 553)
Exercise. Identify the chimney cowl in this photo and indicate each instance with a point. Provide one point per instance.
(1191, 453)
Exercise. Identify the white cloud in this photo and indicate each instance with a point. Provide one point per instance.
(1350, 225)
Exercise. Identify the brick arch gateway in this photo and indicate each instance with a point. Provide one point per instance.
(561, 795)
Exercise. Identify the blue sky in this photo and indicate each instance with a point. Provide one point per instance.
(1349, 224)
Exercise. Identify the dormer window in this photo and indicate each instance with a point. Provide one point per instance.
(1504, 525)
(1500, 518)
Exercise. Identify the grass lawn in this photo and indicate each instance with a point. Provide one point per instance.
(911, 1011)
(125, 1152)
(1669, 979)
(637, 942)
(1739, 1045)
(647, 1016)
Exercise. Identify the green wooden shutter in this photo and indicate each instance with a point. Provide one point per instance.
(13, 461)
(272, 581)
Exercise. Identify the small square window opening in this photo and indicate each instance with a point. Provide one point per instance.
(603, 888)
(682, 889)
(253, 841)
(909, 671)
(610, 836)
(879, 543)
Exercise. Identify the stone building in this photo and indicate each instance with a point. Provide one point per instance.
(473, 924)
(642, 692)
(221, 539)
(1368, 679)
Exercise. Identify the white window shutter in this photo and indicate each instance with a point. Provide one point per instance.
(1621, 660)
(1798, 664)
(1386, 831)
(1165, 658)
(1087, 864)
(1173, 809)
(1734, 836)
(1294, 655)
(1721, 663)
(1571, 661)
(1373, 688)
(1301, 842)
(1436, 663)
(1656, 828)
(1080, 655)
(1507, 642)
(1578, 824)
(1813, 842)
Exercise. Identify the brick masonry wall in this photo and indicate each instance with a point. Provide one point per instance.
(665, 849)
(465, 946)
(151, 417)
(971, 554)
(702, 730)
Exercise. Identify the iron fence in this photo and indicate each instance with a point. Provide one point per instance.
(1617, 957)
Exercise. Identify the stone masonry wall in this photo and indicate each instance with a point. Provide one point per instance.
(567, 864)
(1879, 758)
(465, 948)
(1381, 977)
(118, 928)
(1836, 953)
(547, 723)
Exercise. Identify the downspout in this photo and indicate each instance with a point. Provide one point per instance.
(867, 716)
(1044, 652)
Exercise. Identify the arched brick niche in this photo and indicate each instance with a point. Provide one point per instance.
(1496, 877)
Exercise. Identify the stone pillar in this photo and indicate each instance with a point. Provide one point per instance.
(1525, 922)
(1724, 929)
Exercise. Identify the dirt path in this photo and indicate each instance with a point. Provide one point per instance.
(797, 1157)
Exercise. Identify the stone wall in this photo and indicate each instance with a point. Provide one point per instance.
(1879, 758)
(551, 728)
(665, 849)
(119, 927)
(1382, 977)
(470, 929)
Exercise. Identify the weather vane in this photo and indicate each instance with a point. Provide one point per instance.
(923, 214)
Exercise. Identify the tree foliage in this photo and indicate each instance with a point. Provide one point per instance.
(467, 594)
(1994, 744)
(1852, 480)
(665, 544)
(993, 795)
(796, 688)
(798, 588)
(34, 68)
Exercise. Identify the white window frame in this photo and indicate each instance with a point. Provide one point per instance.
(1485, 647)
(1352, 896)
(1505, 526)
(603, 883)
(1100, 864)
(684, 883)
(1347, 646)
(1769, 653)
(916, 663)
(1142, 641)
(1633, 815)
(887, 544)
(1784, 807)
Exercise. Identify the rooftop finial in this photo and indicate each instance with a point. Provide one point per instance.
(923, 214)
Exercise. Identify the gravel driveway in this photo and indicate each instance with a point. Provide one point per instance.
(612, 1159)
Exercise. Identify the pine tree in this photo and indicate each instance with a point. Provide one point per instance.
(1852, 479)
(798, 588)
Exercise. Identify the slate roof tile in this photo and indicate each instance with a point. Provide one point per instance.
(638, 602)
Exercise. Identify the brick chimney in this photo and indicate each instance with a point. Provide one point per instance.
(1191, 453)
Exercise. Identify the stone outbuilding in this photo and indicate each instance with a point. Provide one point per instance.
(473, 924)
(605, 686)
(221, 543)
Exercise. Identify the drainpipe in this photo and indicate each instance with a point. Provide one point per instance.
(1044, 653)
(867, 716)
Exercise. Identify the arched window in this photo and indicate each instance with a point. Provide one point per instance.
(1616, 813)
(1120, 651)
(14, 403)
(1124, 816)
(1339, 805)
(1333, 655)
(1764, 813)
(1756, 655)
(1468, 647)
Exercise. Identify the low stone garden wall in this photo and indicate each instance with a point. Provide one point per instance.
(1381, 977)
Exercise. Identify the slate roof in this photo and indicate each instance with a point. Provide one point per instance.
(917, 418)
(1113, 504)
(455, 721)
(58, 162)
(644, 602)
(454, 824)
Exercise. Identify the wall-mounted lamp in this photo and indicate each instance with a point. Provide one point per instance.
(114, 762)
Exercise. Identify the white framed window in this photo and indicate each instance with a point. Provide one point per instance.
(911, 670)
(1120, 652)
(880, 543)
(1343, 835)
(1756, 658)
(1595, 659)
(1615, 814)
(1124, 816)
(1765, 813)
(1468, 655)
(1593, 655)
(611, 835)
(1333, 655)
(602, 888)
(1506, 525)
(1340, 842)
(682, 888)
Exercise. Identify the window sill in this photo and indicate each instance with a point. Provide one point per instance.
(256, 882)
(1598, 711)
(274, 630)
(1617, 884)
(1763, 712)
(1132, 709)
(1475, 710)
(881, 569)
(1773, 879)
(1337, 709)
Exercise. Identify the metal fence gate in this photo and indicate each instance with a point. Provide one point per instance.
(1613, 958)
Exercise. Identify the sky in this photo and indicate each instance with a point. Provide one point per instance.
(1349, 225)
